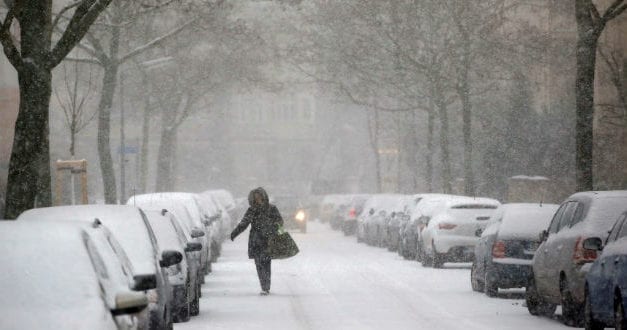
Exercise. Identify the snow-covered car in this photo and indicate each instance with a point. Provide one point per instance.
(194, 239)
(377, 211)
(328, 206)
(451, 235)
(226, 200)
(349, 217)
(184, 291)
(563, 259)
(131, 228)
(186, 206)
(606, 281)
(57, 277)
(504, 252)
(219, 222)
(425, 209)
(341, 207)
(398, 219)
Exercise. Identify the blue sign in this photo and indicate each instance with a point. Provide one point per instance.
(128, 150)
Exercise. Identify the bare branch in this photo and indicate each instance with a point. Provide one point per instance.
(63, 11)
(83, 60)
(153, 43)
(84, 16)
(10, 49)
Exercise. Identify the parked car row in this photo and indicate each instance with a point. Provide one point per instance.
(573, 254)
(134, 266)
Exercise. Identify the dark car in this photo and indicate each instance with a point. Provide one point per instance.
(504, 252)
(606, 282)
(563, 259)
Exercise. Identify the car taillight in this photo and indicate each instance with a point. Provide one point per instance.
(352, 213)
(581, 255)
(498, 249)
(446, 226)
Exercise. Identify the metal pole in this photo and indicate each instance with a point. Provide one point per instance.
(122, 143)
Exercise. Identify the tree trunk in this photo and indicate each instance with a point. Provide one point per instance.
(143, 173)
(104, 132)
(429, 155)
(164, 160)
(586, 62)
(30, 141)
(463, 90)
(27, 178)
(375, 147)
(444, 144)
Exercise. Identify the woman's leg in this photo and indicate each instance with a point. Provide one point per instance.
(263, 265)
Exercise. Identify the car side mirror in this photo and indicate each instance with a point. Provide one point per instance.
(593, 243)
(129, 303)
(169, 258)
(371, 212)
(144, 282)
(197, 233)
(478, 232)
(544, 235)
(193, 247)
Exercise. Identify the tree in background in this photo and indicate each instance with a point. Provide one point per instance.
(33, 56)
(73, 99)
(590, 25)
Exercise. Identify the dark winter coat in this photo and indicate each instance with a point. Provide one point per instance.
(264, 221)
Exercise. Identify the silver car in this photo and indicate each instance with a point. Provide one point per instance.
(562, 260)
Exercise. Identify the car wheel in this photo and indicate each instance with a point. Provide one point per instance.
(619, 314)
(588, 317)
(535, 303)
(420, 256)
(571, 310)
(490, 288)
(476, 285)
(437, 258)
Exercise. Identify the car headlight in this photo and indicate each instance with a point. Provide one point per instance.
(300, 215)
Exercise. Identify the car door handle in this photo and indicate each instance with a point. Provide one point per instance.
(616, 261)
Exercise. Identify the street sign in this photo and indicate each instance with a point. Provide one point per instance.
(128, 150)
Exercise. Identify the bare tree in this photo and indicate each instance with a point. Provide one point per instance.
(74, 101)
(34, 56)
(103, 44)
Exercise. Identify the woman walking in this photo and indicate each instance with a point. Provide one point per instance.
(265, 220)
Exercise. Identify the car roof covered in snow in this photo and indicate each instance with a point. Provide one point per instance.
(525, 220)
(165, 232)
(386, 202)
(125, 222)
(189, 201)
(48, 280)
(179, 210)
(601, 209)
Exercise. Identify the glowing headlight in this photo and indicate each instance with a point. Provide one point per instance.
(300, 215)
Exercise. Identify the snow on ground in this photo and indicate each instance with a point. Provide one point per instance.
(335, 283)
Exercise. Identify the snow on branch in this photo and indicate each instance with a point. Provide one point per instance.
(154, 42)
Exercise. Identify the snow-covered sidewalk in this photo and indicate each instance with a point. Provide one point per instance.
(335, 283)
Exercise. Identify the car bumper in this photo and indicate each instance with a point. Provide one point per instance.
(510, 274)
(453, 244)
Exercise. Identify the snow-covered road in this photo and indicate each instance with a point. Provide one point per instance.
(335, 283)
